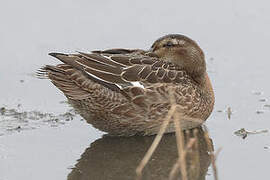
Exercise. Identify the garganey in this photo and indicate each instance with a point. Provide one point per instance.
(128, 92)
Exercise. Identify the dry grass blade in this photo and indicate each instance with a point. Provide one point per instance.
(155, 143)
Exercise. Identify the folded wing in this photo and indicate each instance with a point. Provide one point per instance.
(122, 67)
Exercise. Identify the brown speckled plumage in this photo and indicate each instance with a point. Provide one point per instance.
(100, 85)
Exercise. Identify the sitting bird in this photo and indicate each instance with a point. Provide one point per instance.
(129, 92)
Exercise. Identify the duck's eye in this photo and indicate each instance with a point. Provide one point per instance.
(168, 44)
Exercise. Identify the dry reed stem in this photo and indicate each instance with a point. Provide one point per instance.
(180, 145)
(197, 155)
(155, 143)
(190, 143)
(214, 166)
(181, 162)
(212, 155)
(174, 170)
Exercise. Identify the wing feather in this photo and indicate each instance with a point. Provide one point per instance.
(121, 67)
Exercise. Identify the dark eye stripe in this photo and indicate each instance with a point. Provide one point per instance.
(168, 44)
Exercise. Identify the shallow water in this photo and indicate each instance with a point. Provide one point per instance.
(234, 35)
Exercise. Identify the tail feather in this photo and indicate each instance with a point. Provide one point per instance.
(42, 73)
(61, 79)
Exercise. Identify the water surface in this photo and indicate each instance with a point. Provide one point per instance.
(234, 35)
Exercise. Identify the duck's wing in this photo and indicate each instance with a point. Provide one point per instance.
(121, 67)
(120, 70)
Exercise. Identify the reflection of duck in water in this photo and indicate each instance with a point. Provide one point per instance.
(116, 158)
(126, 92)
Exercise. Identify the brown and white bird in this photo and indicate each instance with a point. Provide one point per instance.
(128, 92)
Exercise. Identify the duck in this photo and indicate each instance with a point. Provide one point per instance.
(127, 92)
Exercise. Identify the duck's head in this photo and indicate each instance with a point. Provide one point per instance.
(182, 51)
